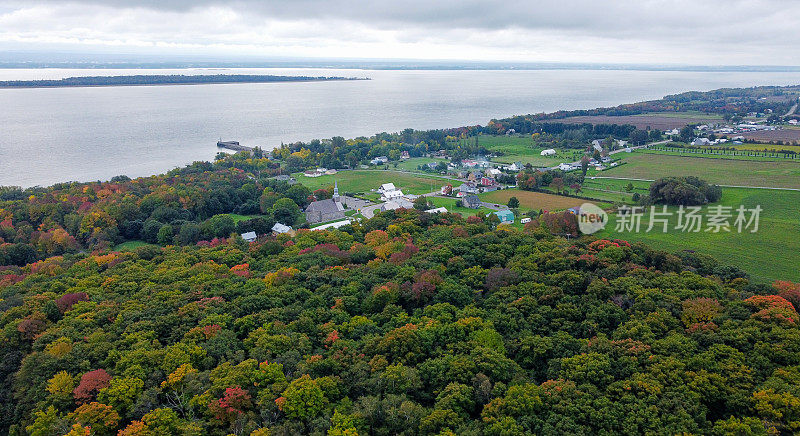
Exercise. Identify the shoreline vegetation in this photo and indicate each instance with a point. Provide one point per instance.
(175, 79)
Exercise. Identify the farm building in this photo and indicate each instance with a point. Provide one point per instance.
(548, 152)
(505, 215)
(397, 203)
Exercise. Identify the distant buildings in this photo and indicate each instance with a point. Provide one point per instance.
(284, 178)
(701, 141)
(319, 172)
(379, 160)
(516, 166)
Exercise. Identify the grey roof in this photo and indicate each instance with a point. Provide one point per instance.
(471, 199)
(325, 206)
(281, 228)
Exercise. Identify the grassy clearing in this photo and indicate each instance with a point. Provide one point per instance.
(414, 162)
(363, 181)
(720, 171)
(236, 217)
(769, 254)
(450, 204)
(717, 153)
(130, 245)
(531, 200)
(524, 149)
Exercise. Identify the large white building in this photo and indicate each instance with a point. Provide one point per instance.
(389, 192)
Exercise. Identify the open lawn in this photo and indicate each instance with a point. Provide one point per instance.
(613, 190)
(529, 200)
(365, 180)
(720, 171)
(768, 147)
(524, 149)
(450, 204)
(772, 253)
(718, 153)
(236, 217)
(414, 162)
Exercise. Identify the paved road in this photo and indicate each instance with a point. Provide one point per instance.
(791, 111)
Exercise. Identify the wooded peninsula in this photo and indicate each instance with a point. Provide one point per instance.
(157, 79)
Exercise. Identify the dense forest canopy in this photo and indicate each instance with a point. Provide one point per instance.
(408, 324)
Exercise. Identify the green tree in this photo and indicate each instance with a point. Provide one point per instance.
(286, 211)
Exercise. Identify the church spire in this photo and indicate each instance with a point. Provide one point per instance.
(335, 189)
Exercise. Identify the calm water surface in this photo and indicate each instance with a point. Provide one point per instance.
(52, 135)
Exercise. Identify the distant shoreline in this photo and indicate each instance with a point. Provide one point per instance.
(163, 80)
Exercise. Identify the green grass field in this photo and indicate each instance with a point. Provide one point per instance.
(362, 181)
(450, 204)
(236, 217)
(524, 149)
(772, 253)
(720, 171)
(716, 153)
(414, 162)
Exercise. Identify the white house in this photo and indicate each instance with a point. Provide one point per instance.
(389, 192)
(597, 145)
(249, 236)
(565, 167)
(280, 228)
(548, 152)
(701, 141)
(437, 210)
(387, 187)
(379, 160)
(516, 166)
(793, 122)
(492, 172)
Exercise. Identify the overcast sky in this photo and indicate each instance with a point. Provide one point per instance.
(703, 32)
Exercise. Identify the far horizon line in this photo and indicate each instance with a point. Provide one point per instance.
(37, 60)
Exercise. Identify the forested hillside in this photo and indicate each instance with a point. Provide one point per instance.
(408, 324)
